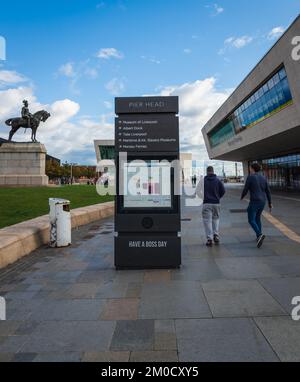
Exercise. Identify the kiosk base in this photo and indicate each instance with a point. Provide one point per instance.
(147, 251)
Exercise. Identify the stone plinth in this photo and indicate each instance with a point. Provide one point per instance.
(22, 165)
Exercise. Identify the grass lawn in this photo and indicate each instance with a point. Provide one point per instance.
(19, 204)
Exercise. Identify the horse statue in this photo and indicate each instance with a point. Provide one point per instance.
(31, 121)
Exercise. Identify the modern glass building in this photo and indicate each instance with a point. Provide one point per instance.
(270, 98)
(260, 121)
(283, 172)
(105, 153)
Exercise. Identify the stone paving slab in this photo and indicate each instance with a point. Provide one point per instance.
(17, 311)
(202, 270)
(133, 335)
(26, 327)
(283, 290)
(59, 277)
(67, 336)
(134, 290)
(155, 276)
(245, 268)
(284, 265)
(165, 335)
(240, 299)
(24, 357)
(96, 276)
(76, 291)
(6, 357)
(7, 328)
(283, 335)
(108, 356)
(120, 309)
(174, 299)
(248, 249)
(154, 356)
(112, 289)
(68, 310)
(71, 356)
(222, 340)
(12, 344)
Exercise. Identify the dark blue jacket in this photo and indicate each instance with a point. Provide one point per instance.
(259, 189)
(214, 190)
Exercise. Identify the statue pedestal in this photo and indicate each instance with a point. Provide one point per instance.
(22, 165)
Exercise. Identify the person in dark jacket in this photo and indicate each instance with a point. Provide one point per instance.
(213, 192)
(260, 193)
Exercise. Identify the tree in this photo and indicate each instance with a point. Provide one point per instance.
(53, 169)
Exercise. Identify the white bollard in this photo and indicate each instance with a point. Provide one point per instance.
(2, 309)
(60, 222)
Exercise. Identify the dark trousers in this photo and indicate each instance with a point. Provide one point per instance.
(255, 211)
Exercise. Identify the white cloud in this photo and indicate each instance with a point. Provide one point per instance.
(61, 111)
(218, 9)
(9, 77)
(187, 51)
(276, 32)
(199, 100)
(11, 101)
(239, 42)
(67, 70)
(62, 134)
(108, 53)
(236, 43)
(115, 86)
(91, 73)
(151, 59)
(75, 71)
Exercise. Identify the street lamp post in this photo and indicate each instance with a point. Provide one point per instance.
(72, 164)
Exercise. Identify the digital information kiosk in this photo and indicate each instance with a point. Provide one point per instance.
(147, 213)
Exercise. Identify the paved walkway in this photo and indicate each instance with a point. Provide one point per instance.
(229, 303)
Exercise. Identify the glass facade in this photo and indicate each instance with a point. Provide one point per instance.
(107, 152)
(271, 97)
(283, 173)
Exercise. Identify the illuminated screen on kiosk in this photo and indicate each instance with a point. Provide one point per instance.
(147, 184)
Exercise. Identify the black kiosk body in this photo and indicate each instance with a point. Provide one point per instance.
(147, 222)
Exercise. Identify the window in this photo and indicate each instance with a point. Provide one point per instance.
(271, 97)
(283, 173)
(107, 152)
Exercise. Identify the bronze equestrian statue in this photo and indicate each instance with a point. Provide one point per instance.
(27, 121)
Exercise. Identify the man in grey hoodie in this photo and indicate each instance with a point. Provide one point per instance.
(214, 191)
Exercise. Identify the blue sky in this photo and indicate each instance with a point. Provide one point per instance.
(75, 56)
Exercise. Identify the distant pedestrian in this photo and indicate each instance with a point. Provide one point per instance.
(194, 180)
(260, 193)
(214, 191)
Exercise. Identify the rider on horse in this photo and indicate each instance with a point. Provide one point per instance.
(26, 113)
(27, 120)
